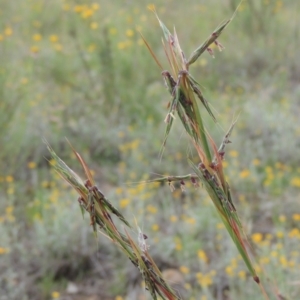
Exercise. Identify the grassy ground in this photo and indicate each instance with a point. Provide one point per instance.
(80, 70)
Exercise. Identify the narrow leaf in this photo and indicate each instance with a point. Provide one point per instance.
(87, 171)
(151, 52)
(167, 33)
(213, 37)
(199, 94)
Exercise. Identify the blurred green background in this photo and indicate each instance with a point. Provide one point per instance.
(79, 70)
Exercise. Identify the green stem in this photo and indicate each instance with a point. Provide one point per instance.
(201, 128)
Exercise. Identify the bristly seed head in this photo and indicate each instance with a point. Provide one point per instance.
(171, 40)
(222, 154)
(146, 261)
(81, 201)
(87, 184)
(142, 241)
(211, 52)
(201, 166)
(168, 118)
(172, 187)
(182, 186)
(214, 166)
(256, 279)
(183, 72)
(194, 182)
(220, 46)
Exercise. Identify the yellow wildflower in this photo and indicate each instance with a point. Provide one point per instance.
(191, 221)
(268, 169)
(24, 80)
(31, 165)
(178, 245)
(10, 191)
(245, 173)
(225, 164)
(119, 190)
(79, 8)
(295, 232)
(155, 227)
(220, 225)
(295, 182)
(233, 153)
(113, 31)
(8, 31)
(204, 279)
(274, 253)
(121, 45)
(296, 217)
(58, 47)
(264, 260)
(256, 162)
(242, 274)
(9, 179)
(9, 209)
(129, 32)
(173, 218)
(3, 250)
(291, 263)
(55, 295)
(124, 202)
(229, 270)
(283, 261)
(202, 256)
(95, 6)
(282, 218)
(151, 209)
(37, 37)
(257, 237)
(184, 270)
(92, 48)
(94, 25)
(53, 38)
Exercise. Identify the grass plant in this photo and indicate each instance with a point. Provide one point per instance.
(185, 92)
(92, 200)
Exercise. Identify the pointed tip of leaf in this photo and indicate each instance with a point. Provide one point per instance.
(95, 233)
(87, 171)
(151, 51)
(45, 142)
(82, 211)
(164, 28)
